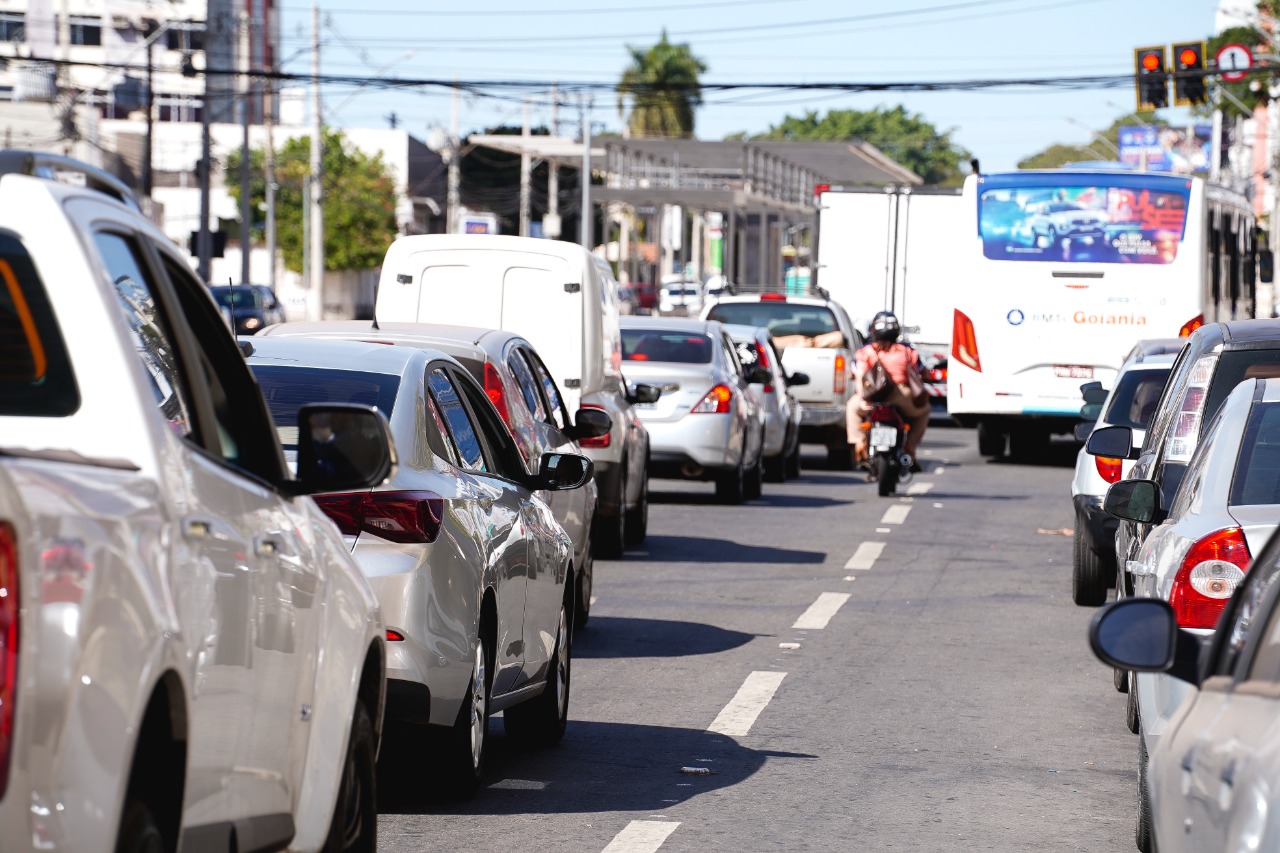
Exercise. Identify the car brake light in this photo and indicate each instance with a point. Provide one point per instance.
(716, 402)
(598, 441)
(406, 517)
(10, 607)
(841, 374)
(964, 341)
(772, 297)
(497, 393)
(1186, 424)
(762, 360)
(1108, 467)
(394, 636)
(1191, 325)
(1209, 574)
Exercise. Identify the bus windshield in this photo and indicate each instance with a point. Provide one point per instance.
(1121, 219)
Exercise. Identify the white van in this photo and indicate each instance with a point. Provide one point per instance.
(564, 301)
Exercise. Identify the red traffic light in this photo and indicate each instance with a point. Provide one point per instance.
(1189, 56)
(1151, 62)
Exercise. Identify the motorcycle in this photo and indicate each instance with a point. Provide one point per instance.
(890, 463)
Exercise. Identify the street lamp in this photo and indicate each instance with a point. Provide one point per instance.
(1099, 137)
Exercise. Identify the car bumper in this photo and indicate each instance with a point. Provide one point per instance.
(1099, 526)
(680, 448)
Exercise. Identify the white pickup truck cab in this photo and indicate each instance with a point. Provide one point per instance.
(189, 658)
(817, 338)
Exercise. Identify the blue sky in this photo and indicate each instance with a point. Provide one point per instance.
(744, 41)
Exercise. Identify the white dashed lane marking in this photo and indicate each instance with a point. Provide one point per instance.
(821, 611)
(740, 714)
(866, 555)
(919, 488)
(641, 836)
(895, 514)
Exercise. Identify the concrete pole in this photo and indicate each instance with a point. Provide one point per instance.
(453, 203)
(268, 120)
(584, 235)
(316, 307)
(526, 174)
(553, 171)
(204, 240)
(246, 196)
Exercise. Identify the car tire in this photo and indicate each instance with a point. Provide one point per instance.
(1131, 720)
(886, 475)
(464, 745)
(1142, 835)
(840, 456)
(775, 468)
(354, 828)
(753, 487)
(541, 721)
(1028, 444)
(1088, 575)
(1120, 679)
(582, 596)
(610, 534)
(637, 526)
(730, 485)
(991, 442)
(139, 831)
(793, 461)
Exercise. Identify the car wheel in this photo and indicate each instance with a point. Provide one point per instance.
(753, 487)
(542, 719)
(1142, 836)
(1120, 679)
(1088, 576)
(775, 468)
(730, 485)
(991, 441)
(582, 598)
(610, 534)
(463, 751)
(139, 832)
(637, 527)
(793, 461)
(1131, 720)
(355, 813)
(886, 475)
(840, 456)
(1028, 444)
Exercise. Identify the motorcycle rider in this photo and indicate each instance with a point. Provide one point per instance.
(899, 361)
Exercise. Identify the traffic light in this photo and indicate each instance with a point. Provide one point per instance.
(1188, 76)
(1150, 78)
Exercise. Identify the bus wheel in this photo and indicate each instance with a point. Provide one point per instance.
(990, 440)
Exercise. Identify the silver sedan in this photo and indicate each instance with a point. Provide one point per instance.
(706, 424)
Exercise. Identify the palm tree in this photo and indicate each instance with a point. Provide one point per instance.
(662, 83)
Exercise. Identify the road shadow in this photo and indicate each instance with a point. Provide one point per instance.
(598, 767)
(623, 637)
(697, 549)
(770, 497)
(1059, 454)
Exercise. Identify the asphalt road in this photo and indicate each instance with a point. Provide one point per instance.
(938, 693)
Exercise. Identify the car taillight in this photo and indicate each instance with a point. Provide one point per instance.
(842, 374)
(716, 402)
(9, 609)
(406, 517)
(1186, 424)
(964, 341)
(1209, 574)
(1108, 467)
(394, 636)
(772, 297)
(497, 392)
(1191, 325)
(599, 440)
(762, 360)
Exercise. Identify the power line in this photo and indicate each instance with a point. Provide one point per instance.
(607, 10)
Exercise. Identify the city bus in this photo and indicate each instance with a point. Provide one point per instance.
(1063, 271)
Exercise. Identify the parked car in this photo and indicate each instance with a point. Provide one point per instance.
(705, 425)
(1226, 508)
(563, 300)
(248, 307)
(474, 574)
(1210, 781)
(679, 294)
(526, 397)
(776, 401)
(1130, 403)
(188, 655)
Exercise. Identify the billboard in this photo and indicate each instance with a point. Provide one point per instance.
(1181, 150)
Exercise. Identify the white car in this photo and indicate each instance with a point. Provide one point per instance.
(1132, 403)
(189, 657)
(776, 401)
(680, 295)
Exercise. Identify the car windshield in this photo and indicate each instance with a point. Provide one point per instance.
(237, 297)
(780, 318)
(35, 373)
(1257, 477)
(682, 291)
(286, 389)
(668, 346)
(1133, 403)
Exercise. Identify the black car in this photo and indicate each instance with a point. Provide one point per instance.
(251, 306)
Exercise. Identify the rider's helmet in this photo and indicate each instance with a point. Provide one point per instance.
(885, 327)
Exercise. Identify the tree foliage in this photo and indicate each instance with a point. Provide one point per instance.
(904, 137)
(359, 201)
(663, 85)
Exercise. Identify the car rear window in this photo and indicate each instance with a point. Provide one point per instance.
(780, 318)
(35, 373)
(1234, 367)
(1257, 478)
(286, 389)
(668, 346)
(1133, 403)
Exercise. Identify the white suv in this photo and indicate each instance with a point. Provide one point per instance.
(189, 658)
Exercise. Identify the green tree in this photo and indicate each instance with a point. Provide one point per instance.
(359, 201)
(1058, 154)
(904, 137)
(663, 86)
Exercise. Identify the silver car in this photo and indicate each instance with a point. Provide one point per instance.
(778, 405)
(1226, 507)
(527, 398)
(705, 425)
(475, 576)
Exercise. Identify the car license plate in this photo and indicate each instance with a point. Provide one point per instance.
(884, 436)
(644, 405)
(1073, 371)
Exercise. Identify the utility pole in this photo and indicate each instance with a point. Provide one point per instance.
(268, 121)
(584, 235)
(246, 200)
(204, 240)
(526, 173)
(553, 171)
(452, 200)
(149, 30)
(316, 306)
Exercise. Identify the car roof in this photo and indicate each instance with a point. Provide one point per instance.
(675, 324)
(1249, 331)
(737, 331)
(472, 341)
(773, 297)
(336, 354)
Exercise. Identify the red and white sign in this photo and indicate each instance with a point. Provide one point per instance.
(1234, 61)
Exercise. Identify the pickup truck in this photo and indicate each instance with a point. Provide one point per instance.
(816, 337)
(189, 657)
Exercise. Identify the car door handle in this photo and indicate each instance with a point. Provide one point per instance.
(265, 547)
(196, 528)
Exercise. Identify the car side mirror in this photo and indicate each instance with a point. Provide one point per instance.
(1083, 429)
(591, 423)
(1134, 500)
(1091, 412)
(1266, 266)
(1084, 389)
(1142, 634)
(757, 375)
(562, 471)
(643, 393)
(1096, 395)
(342, 447)
(796, 379)
(1113, 441)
